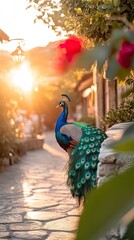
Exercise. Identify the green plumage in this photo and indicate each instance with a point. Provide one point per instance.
(83, 161)
(82, 142)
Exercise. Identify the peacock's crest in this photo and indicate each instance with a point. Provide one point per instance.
(66, 96)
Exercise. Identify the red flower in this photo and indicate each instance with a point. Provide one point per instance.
(61, 63)
(72, 46)
(125, 54)
(67, 52)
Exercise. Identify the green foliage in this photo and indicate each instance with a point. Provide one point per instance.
(7, 132)
(106, 206)
(123, 113)
(7, 137)
(106, 57)
(92, 19)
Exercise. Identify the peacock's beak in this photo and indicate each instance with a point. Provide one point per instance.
(57, 106)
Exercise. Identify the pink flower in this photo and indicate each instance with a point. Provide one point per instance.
(125, 54)
(67, 52)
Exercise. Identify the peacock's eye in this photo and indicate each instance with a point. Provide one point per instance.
(77, 165)
(71, 173)
(86, 139)
(93, 165)
(94, 177)
(93, 150)
(83, 160)
(87, 165)
(84, 147)
(61, 103)
(91, 145)
(88, 151)
(88, 132)
(79, 185)
(94, 158)
(92, 139)
(83, 180)
(87, 175)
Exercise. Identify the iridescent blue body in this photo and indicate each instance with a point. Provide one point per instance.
(82, 142)
(62, 139)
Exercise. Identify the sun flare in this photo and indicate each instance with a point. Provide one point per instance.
(23, 78)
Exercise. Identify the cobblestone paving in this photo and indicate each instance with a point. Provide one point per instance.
(35, 202)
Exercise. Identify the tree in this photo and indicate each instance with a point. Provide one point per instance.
(92, 19)
(7, 109)
(9, 99)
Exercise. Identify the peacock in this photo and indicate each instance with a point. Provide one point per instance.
(82, 142)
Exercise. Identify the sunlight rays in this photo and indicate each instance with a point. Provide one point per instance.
(23, 78)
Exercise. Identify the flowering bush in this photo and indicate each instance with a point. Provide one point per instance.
(118, 53)
(125, 54)
(67, 52)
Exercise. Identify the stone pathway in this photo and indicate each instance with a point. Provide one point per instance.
(35, 202)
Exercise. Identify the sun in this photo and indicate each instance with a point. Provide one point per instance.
(23, 78)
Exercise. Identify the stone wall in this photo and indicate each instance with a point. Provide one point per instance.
(112, 163)
(30, 143)
(22, 146)
(34, 143)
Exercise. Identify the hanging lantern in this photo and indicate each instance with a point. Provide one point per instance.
(18, 55)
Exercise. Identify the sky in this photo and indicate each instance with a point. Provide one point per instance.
(17, 22)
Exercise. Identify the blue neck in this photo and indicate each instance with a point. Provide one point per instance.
(62, 120)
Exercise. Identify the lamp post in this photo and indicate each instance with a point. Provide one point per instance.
(18, 54)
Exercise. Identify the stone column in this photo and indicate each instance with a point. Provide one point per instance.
(99, 96)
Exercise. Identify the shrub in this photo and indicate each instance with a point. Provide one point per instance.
(124, 113)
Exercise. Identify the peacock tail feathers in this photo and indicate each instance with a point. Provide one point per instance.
(82, 142)
(83, 161)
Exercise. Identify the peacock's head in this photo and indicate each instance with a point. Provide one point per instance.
(63, 103)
